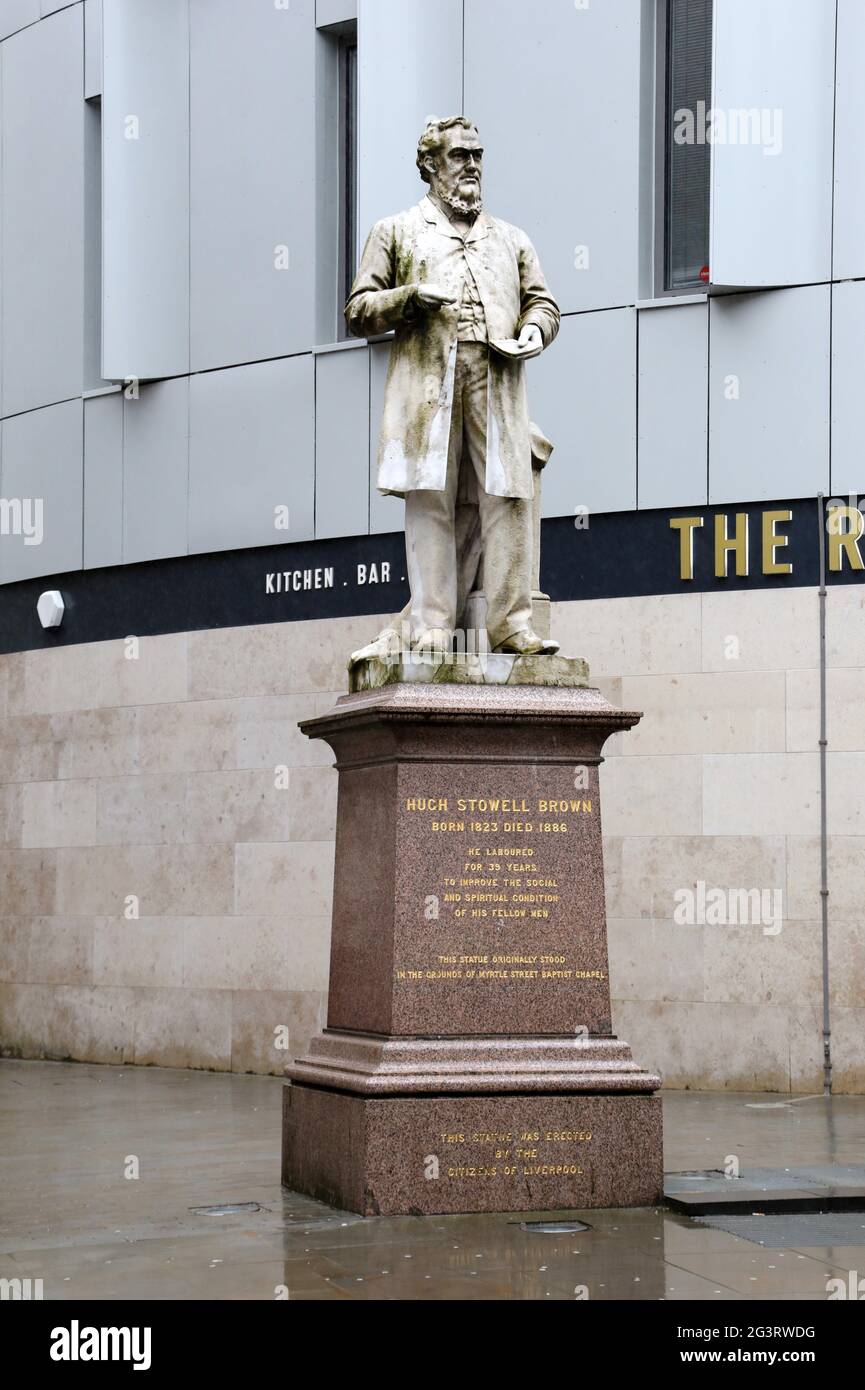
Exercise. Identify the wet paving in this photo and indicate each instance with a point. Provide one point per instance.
(104, 1172)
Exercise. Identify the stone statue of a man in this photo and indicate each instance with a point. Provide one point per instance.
(467, 299)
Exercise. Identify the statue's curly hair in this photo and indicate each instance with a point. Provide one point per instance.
(431, 142)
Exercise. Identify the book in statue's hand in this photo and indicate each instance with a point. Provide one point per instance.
(509, 347)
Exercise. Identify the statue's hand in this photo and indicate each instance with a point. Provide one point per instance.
(531, 338)
(433, 297)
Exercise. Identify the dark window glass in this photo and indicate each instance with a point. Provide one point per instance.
(688, 153)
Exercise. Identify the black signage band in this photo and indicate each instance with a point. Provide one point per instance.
(609, 555)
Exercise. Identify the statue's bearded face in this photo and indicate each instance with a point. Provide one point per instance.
(456, 173)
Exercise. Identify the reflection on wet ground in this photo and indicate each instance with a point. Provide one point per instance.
(71, 1217)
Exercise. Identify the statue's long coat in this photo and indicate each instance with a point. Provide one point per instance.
(421, 246)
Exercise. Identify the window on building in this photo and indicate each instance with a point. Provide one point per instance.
(687, 151)
(337, 175)
(347, 162)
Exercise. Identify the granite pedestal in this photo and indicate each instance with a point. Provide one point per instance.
(468, 1063)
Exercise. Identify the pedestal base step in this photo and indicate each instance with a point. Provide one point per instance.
(370, 1066)
(429, 1155)
(374, 672)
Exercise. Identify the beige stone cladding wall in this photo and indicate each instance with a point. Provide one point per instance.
(720, 784)
(161, 779)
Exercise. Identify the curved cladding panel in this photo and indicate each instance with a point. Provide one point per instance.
(410, 57)
(17, 14)
(42, 218)
(673, 421)
(555, 89)
(583, 395)
(773, 110)
(769, 394)
(253, 113)
(848, 400)
(145, 150)
(849, 230)
(252, 455)
(43, 475)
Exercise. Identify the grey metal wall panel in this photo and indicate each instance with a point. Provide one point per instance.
(848, 397)
(43, 459)
(769, 395)
(583, 395)
(385, 513)
(772, 212)
(51, 6)
(156, 471)
(1, 233)
(251, 450)
(15, 14)
(849, 241)
(342, 442)
(672, 408)
(145, 153)
(92, 268)
(252, 171)
(42, 213)
(92, 48)
(103, 481)
(556, 93)
(334, 12)
(410, 66)
(329, 193)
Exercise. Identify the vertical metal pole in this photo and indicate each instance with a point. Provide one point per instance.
(824, 841)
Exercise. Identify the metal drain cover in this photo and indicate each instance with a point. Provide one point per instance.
(792, 1230)
(229, 1209)
(696, 1175)
(554, 1228)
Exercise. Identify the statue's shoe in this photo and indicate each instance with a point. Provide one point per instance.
(528, 643)
(384, 647)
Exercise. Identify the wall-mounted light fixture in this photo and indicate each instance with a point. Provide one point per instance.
(51, 608)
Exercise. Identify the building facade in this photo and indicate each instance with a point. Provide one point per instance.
(187, 455)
